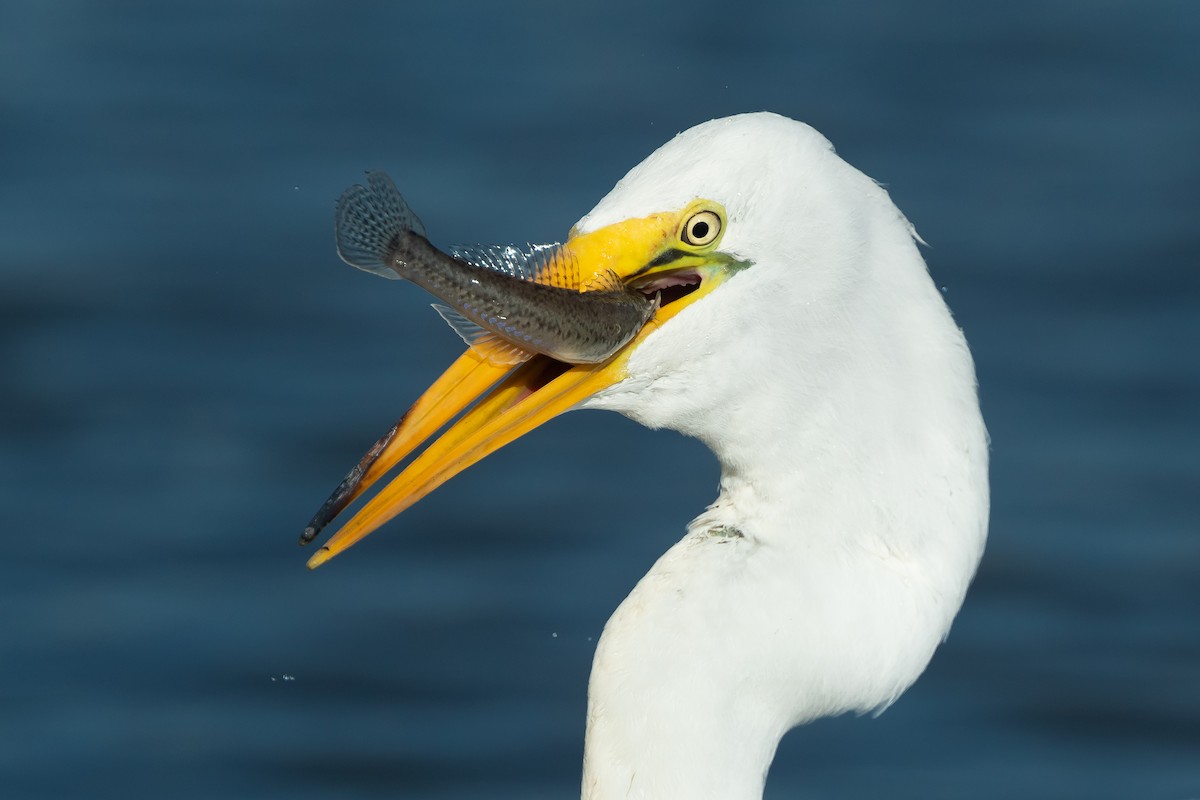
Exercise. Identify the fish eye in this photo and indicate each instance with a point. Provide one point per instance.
(702, 228)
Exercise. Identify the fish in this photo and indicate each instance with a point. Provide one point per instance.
(506, 302)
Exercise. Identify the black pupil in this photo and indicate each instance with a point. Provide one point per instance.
(700, 230)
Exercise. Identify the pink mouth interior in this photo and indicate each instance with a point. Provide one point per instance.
(671, 286)
(669, 280)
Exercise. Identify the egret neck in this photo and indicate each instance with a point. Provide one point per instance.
(851, 514)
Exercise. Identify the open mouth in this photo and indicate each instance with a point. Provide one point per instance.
(480, 404)
(671, 287)
(485, 406)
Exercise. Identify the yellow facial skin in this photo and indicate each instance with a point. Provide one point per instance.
(638, 249)
(639, 252)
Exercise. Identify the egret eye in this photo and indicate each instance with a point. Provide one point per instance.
(701, 228)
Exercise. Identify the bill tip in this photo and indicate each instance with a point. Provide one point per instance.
(320, 557)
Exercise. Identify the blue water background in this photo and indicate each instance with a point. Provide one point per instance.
(187, 370)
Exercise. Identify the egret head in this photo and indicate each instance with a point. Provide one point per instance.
(740, 226)
(804, 249)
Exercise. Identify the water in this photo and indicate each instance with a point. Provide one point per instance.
(188, 370)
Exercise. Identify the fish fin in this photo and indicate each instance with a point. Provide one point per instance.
(497, 350)
(470, 332)
(556, 266)
(537, 263)
(366, 223)
(504, 258)
(603, 281)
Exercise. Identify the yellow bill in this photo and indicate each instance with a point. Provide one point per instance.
(671, 254)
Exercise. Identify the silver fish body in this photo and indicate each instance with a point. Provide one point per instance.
(498, 306)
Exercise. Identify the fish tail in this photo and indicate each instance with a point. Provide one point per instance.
(368, 223)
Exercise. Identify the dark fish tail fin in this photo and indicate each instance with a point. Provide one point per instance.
(367, 222)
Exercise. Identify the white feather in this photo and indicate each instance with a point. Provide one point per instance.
(839, 397)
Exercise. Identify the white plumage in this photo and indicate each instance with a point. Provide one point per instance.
(839, 396)
(817, 360)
